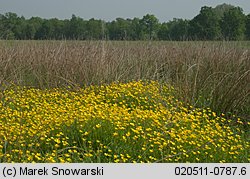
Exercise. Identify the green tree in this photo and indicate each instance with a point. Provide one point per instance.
(32, 26)
(178, 29)
(19, 28)
(248, 27)
(219, 10)
(9, 25)
(49, 29)
(96, 29)
(135, 29)
(150, 26)
(233, 24)
(28, 31)
(45, 31)
(205, 26)
(57, 29)
(163, 32)
(76, 28)
(119, 29)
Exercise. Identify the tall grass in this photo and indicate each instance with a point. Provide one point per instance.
(205, 74)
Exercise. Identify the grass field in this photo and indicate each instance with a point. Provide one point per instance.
(102, 101)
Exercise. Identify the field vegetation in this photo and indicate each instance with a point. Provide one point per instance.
(103, 101)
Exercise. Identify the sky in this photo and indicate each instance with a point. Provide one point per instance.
(109, 10)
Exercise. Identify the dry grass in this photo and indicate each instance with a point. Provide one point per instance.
(206, 74)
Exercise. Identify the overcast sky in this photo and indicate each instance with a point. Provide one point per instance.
(108, 10)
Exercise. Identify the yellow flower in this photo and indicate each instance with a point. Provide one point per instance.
(98, 126)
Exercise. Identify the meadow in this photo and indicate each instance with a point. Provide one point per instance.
(103, 101)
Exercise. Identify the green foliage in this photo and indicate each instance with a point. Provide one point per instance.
(95, 29)
(248, 27)
(136, 28)
(149, 27)
(178, 29)
(163, 32)
(222, 22)
(8, 25)
(120, 29)
(205, 26)
(233, 24)
(221, 9)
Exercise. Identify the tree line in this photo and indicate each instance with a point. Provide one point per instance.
(224, 22)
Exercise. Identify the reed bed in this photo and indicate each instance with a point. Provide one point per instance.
(205, 74)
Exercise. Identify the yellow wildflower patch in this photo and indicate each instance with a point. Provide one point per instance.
(120, 122)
